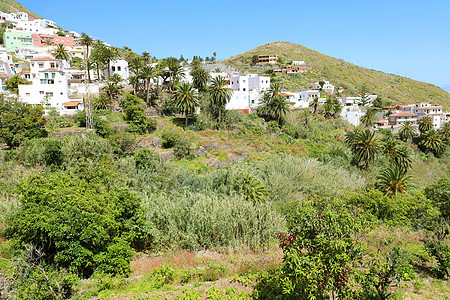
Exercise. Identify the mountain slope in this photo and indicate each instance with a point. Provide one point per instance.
(390, 87)
(11, 6)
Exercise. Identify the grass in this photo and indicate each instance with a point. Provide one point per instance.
(390, 87)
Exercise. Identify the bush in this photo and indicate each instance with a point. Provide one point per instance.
(90, 148)
(86, 222)
(134, 109)
(171, 137)
(35, 152)
(20, 121)
(291, 130)
(122, 141)
(439, 194)
(183, 149)
(147, 159)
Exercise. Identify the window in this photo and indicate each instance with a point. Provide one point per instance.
(43, 81)
(53, 75)
(243, 89)
(41, 92)
(118, 69)
(52, 65)
(113, 68)
(51, 81)
(41, 65)
(46, 75)
(49, 94)
(27, 94)
(253, 101)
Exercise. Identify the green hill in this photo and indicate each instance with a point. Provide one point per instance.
(11, 6)
(340, 73)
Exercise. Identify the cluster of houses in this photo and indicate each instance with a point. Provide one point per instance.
(56, 84)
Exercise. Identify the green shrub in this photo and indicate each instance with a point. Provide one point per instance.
(89, 148)
(147, 159)
(273, 126)
(86, 222)
(439, 194)
(171, 137)
(291, 130)
(183, 149)
(122, 141)
(46, 152)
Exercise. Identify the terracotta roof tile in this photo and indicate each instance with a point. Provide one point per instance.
(44, 59)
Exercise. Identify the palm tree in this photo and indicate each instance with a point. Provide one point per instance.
(146, 57)
(48, 43)
(399, 154)
(200, 78)
(432, 142)
(445, 132)
(186, 100)
(116, 78)
(109, 54)
(369, 118)
(393, 180)
(273, 105)
(314, 104)
(112, 90)
(425, 124)
(407, 131)
(364, 145)
(175, 71)
(220, 94)
(86, 41)
(61, 53)
(148, 73)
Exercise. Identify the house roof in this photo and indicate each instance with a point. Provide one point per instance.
(44, 59)
(51, 70)
(72, 103)
(383, 122)
(403, 114)
(5, 76)
(428, 107)
(74, 80)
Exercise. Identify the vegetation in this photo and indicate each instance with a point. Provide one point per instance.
(342, 74)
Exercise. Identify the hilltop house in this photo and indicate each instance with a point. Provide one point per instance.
(15, 39)
(413, 113)
(119, 67)
(39, 40)
(268, 59)
(39, 26)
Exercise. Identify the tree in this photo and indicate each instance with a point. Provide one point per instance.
(393, 180)
(319, 257)
(186, 100)
(61, 53)
(430, 141)
(314, 104)
(87, 42)
(274, 105)
(364, 94)
(445, 132)
(407, 131)
(85, 222)
(220, 94)
(112, 90)
(109, 54)
(425, 124)
(200, 78)
(146, 57)
(20, 121)
(332, 107)
(399, 155)
(175, 72)
(364, 145)
(369, 118)
(12, 84)
(148, 74)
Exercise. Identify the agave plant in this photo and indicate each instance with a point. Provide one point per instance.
(251, 188)
(393, 180)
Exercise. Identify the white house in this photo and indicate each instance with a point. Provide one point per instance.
(119, 67)
(13, 17)
(327, 86)
(309, 95)
(49, 86)
(353, 114)
(298, 63)
(247, 91)
(434, 112)
(39, 26)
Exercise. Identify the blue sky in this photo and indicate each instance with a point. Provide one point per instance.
(408, 38)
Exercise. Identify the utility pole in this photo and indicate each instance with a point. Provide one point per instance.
(88, 107)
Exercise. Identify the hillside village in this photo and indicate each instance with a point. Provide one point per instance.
(52, 61)
(278, 173)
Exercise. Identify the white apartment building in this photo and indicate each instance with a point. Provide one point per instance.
(327, 87)
(39, 26)
(6, 62)
(49, 86)
(434, 112)
(298, 63)
(13, 17)
(250, 82)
